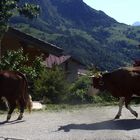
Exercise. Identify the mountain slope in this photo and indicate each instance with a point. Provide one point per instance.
(89, 35)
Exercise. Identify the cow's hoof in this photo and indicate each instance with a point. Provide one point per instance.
(6, 121)
(136, 114)
(8, 117)
(117, 117)
(20, 118)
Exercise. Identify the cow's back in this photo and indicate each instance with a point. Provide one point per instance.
(10, 82)
(123, 81)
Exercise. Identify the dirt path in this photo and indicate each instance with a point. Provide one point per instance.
(93, 123)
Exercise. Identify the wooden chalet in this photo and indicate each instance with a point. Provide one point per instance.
(15, 39)
(70, 65)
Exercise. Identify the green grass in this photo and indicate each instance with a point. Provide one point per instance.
(69, 107)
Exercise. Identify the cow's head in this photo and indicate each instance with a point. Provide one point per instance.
(97, 81)
(94, 88)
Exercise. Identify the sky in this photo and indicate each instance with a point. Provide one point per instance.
(124, 11)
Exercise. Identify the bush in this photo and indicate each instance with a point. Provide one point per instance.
(104, 97)
(78, 90)
(51, 85)
(78, 93)
(107, 97)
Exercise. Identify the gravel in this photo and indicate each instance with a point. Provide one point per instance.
(91, 123)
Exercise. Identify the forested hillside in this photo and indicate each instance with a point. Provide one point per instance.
(89, 35)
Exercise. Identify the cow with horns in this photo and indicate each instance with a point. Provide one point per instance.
(123, 83)
(13, 88)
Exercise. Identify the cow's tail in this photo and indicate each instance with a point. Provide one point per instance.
(29, 103)
(27, 98)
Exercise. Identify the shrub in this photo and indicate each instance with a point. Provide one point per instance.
(78, 90)
(104, 98)
(51, 85)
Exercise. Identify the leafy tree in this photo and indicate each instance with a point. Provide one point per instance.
(9, 7)
(13, 60)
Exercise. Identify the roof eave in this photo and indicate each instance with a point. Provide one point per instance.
(44, 46)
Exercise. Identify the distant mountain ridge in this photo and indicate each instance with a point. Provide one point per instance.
(89, 35)
(137, 23)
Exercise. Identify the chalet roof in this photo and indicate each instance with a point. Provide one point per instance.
(54, 60)
(44, 46)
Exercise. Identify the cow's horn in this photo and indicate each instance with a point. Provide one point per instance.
(92, 76)
(99, 74)
(104, 72)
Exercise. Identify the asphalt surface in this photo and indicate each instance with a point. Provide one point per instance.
(92, 123)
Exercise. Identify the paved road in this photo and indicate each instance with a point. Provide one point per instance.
(92, 123)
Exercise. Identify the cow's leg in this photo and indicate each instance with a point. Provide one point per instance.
(21, 107)
(127, 102)
(121, 103)
(21, 114)
(12, 106)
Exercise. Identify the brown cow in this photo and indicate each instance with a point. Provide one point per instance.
(123, 83)
(13, 87)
